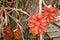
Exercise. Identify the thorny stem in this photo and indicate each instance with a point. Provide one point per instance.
(1, 16)
(5, 19)
(1, 26)
(40, 11)
(21, 30)
(19, 10)
(26, 4)
(23, 12)
(41, 37)
(40, 6)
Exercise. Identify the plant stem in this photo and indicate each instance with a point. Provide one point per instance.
(40, 6)
(21, 30)
(16, 4)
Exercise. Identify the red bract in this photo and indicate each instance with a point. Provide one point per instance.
(31, 25)
(53, 10)
(43, 20)
(45, 24)
(40, 30)
(36, 14)
(42, 27)
(45, 14)
(34, 17)
(52, 18)
(6, 37)
(45, 9)
(39, 17)
(38, 22)
(32, 20)
(34, 31)
(52, 14)
(48, 20)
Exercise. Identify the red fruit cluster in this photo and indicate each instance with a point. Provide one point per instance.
(38, 23)
(51, 12)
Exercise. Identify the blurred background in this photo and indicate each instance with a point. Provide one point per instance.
(28, 6)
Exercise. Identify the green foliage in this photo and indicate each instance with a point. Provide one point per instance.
(15, 15)
(18, 3)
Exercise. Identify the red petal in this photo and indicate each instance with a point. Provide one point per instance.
(33, 17)
(45, 24)
(53, 10)
(42, 27)
(31, 25)
(32, 20)
(52, 18)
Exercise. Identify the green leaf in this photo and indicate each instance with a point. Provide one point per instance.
(15, 15)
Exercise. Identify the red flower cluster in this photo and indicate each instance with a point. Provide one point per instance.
(38, 23)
